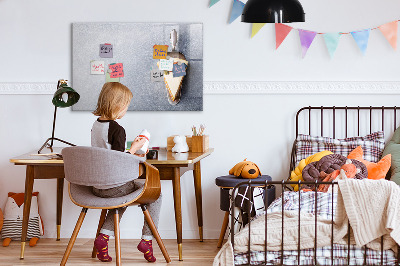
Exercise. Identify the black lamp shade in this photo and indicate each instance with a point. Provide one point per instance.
(273, 11)
(73, 96)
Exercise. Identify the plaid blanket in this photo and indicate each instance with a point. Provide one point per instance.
(323, 205)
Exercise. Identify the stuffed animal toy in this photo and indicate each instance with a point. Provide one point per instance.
(1, 219)
(245, 169)
(180, 144)
(13, 215)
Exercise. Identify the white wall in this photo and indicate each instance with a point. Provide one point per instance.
(35, 46)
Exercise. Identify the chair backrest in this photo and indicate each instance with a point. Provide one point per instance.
(91, 166)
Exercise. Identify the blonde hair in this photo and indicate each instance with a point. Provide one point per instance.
(113, 97)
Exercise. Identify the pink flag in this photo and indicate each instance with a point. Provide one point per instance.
(389, 30)
(306, 39)
(281, 31)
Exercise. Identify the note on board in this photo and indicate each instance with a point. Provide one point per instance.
(166, 64)
(117, 70)
(106, 50)
(156, 75)
(179, 70)
(109, 79)
(97, 67)
(160, 51)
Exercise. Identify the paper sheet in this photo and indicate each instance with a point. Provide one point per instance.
(106, 50)
(160, 51)
(97, 67)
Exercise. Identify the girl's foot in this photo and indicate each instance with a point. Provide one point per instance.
(101, 245)
(146, 247)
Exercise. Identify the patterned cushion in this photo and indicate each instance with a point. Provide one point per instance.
(372, 144)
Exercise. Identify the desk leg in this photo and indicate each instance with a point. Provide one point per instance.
(199, 204)
(176, 182)
(60, 190)
(27, 206)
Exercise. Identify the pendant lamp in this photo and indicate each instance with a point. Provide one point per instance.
(64, 96)
(273, 11)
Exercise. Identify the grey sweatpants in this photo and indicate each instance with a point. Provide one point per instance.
(154, 208)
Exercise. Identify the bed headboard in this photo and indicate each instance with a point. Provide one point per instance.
(344, 121)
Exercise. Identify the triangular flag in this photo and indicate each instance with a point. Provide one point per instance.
(390, 32)
(213, 2)
(332, 41)
(237, 9)
(306, 39)
(256, 27)
(361, 37)
(281, 31)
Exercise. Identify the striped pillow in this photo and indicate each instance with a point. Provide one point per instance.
(372, 145)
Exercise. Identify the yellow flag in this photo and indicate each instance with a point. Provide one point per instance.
(256, 27)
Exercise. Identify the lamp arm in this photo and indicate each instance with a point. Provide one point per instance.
(54, 126)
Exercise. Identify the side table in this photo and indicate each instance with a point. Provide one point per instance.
(226, 183)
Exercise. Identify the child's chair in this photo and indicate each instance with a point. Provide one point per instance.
(85, 167)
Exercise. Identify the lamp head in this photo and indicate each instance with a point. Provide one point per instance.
(273, 11)
(65, 96)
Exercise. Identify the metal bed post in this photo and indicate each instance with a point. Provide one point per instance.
(298, 240)
(283, 210)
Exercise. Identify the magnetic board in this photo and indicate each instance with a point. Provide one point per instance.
(132, 45)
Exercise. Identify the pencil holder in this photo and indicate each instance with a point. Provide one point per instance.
(200, 143)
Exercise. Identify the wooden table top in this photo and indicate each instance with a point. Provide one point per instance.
(164, 157)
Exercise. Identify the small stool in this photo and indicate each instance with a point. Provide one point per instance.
(226, 183)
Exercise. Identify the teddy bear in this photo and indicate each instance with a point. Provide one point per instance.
(180, 144)
(245, 169)
(13, 215)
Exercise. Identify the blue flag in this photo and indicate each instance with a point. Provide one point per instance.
(361, 38)
(237, 9)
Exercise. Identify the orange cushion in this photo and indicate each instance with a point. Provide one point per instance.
(375, 170)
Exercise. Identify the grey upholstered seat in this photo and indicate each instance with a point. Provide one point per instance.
(83, 196)
(103, 168)
(85, 167)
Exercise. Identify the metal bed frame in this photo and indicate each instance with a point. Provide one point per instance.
(283, 184)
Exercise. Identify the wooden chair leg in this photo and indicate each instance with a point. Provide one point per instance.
(101, 222)
(74, 235)
(223, 229)
(154, 230)
(117, 238)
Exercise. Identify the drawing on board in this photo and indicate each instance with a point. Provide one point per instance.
(161, 63)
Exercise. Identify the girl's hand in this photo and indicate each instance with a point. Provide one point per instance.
(137, 144)
(143, 155)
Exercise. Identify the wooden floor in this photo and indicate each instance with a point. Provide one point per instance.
(50, 252)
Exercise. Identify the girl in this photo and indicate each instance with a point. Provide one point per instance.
(106, 133)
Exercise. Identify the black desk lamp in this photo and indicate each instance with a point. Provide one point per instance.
(273, 11)
(65, 96)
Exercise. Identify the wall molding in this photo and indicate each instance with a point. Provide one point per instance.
(247, 87)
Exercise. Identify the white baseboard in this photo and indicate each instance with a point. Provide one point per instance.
(247, 87)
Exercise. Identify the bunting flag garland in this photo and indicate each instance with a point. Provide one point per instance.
(256, 27)
(389, 30)
(237, 9)
(361, 37)
(306, 39)
(281, 31)
(332, 41)
(213, 2)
